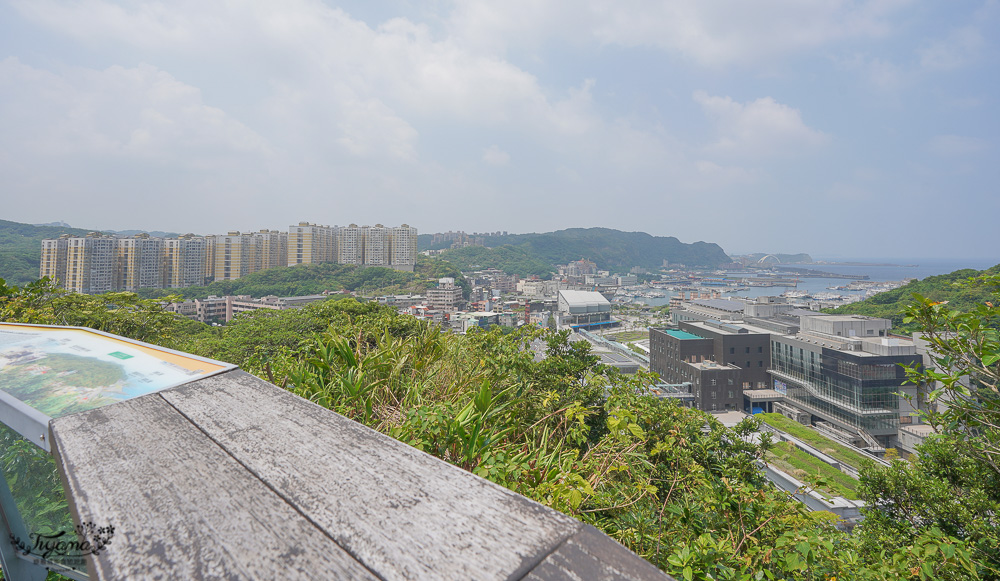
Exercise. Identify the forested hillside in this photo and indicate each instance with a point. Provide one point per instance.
(21, 248)
(942, 288)
(613, 250)
(310, 279)
(510, 259)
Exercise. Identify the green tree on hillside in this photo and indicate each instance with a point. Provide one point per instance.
(953, 483)
(945, 287)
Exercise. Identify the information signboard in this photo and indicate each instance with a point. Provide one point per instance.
(48, 372)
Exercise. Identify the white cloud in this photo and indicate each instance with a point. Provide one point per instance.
(710, 33)
(139, 113)
(956, 145)
(759, 128)
(496, 156)
(325, 66)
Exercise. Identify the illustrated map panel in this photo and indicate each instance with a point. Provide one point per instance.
(60, 371)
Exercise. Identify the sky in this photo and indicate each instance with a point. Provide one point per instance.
(834, 127)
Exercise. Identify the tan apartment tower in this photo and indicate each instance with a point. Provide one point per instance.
(184, 261)
(138, 262)
(236, 255)
(210, 245)
(53, 262)
(311, 244)
(90, 263)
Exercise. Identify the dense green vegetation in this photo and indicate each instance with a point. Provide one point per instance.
(670, 483)
(629, 336)
(299, 280)
(807, 468)
(510, 259)
(610, 249)
(953, 484)
(310, 279)
(21, 248)
(941, 288)
(816, 440)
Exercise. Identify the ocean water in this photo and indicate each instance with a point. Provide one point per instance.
(903, 269)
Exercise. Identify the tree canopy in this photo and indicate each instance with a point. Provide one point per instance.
(945, 287)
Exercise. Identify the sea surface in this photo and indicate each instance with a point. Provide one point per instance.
(902, 269)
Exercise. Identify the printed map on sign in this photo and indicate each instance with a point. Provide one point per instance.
(60, 371)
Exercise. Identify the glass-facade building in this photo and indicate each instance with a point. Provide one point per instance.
(853, 387)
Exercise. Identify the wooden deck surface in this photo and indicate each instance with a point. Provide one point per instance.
(231, 477)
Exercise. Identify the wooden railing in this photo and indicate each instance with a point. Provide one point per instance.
(231, 477)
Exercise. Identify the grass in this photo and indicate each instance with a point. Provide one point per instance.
(802, 466)
(628, 336)
(815, 439)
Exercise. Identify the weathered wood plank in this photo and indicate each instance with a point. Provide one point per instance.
(401, 512)
(593, 556)
(182, 508)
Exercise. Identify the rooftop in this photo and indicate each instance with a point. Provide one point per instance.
(676, 334)
(730, 418)
(583, 298)
(762, 394)
(922, 430)
(721, 304)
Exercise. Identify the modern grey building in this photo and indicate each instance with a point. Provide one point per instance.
(680, 357)
(847, 371)
(842, 373)
(584, 309)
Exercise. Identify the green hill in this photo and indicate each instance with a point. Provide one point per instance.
(309, 279)
(611, 249)
(944, 287)
(510, 259)
(21, 248)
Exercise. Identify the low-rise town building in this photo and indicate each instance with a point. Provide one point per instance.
(446, 297)
(216, 309)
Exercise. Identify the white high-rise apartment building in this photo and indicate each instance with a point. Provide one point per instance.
(402, 247)
(350, 245)
(375, 245)
(273, 248)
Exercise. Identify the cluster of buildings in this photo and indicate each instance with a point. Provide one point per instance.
(584, 273)
(216, 309)
(496, 298)
(461, 239)
(98, 263)
(844, 374)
